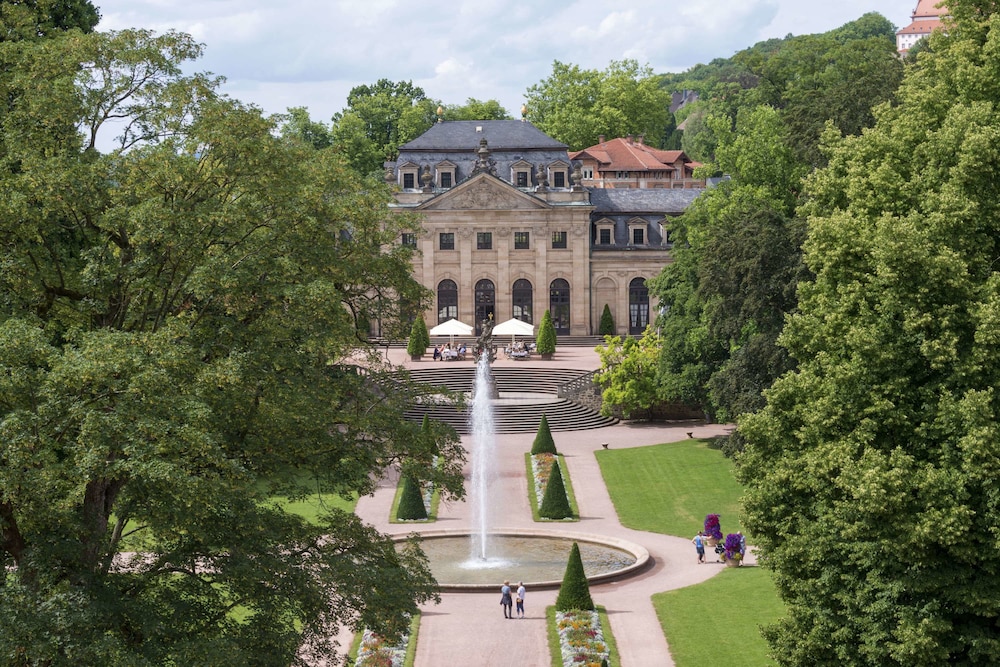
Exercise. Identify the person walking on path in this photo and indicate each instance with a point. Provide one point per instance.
(505, 600)
(520, 599)
(699, 546)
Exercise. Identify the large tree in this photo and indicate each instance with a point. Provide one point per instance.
(872, 472)
(179, 343)
(380, 118)
(33, 19)
(577, 105)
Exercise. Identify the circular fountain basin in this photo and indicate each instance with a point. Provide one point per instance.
(537, 559)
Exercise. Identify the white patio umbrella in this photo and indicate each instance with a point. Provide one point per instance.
(451, 328)
(514, 327)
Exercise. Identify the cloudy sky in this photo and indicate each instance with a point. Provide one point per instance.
(311, 52)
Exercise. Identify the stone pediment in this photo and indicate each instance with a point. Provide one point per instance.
(483, 192)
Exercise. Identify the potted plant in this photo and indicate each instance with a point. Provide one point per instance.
(713, 529)
(420, 339)
(546, 342)
(733, 555)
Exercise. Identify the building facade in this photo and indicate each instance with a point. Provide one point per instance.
(629, 163)
(926, 18)
(509, 230)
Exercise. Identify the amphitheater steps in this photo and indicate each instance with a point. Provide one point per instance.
(561, 414)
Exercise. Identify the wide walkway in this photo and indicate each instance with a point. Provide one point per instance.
(469, 628)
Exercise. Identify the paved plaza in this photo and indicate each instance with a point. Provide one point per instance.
(468, 629)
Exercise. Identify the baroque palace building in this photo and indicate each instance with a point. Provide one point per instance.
(509, 230)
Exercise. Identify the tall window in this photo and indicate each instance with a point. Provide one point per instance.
(638, 236)
(522, 294)
(522, 240)
(605, 237)
(446, 179)
(447, 241)
(638, 306)
(447, 300)
(484, 240)
(559, 179)
(409, 179)
(559, 305)
(410, 239)
(558, 239)
(486, 295)
(522, 179)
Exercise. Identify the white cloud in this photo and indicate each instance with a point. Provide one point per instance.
(311, 53)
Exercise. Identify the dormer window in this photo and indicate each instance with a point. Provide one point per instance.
(559, 174)
(408, 174)
(637, 231)
(445, 174)
(520, 174)
(605, 232)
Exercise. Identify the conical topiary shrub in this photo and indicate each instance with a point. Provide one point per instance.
(555, 502)
(574, 593)
(545, 344)
(411, 502)
(607, 325)
(420, 339)
(544, 444)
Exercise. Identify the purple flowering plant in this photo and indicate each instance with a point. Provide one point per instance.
(732, 545)
(712, 526)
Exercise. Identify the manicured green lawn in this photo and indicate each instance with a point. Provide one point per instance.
(669, 488)
(718, 622)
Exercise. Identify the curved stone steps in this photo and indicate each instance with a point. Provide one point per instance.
(537, 386)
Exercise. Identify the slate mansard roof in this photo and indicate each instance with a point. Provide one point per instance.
(641, 201)
(509, 142)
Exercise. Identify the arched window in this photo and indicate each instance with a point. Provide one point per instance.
(522, 295)
(447, 300)
(559, 305)
(486, 296)
(638, 306)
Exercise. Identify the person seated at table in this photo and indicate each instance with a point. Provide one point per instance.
(437, 352)
(461, 351)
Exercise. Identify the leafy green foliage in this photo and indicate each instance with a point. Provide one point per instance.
(378, 119)
(574, 592)
(543, 443)
(607, 325)
(474, 109)
(420, 338)
(576, 106)
(298, 125)
(628, 374)
(411, 501)
(546, 341)
(34, 19)
(871, 472)
(178, 329)
(555, 502)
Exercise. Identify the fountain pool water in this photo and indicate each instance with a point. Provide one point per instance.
(481, 558)
(538, 560)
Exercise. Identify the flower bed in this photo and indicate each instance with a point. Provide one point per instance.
(541, 468)
(581, 639)
(375, 652)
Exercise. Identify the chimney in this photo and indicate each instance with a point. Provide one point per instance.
(600, 139)
(629, 138)
(640, 139)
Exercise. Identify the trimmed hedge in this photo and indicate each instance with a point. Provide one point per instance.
(543, 444)
(555, 502)
(574, 592)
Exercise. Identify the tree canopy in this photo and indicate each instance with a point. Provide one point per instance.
(872, 469)
(577, 105)
(179, 333)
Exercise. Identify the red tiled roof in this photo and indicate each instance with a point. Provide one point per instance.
(921, 27)
(929, 8)
(624, 155)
